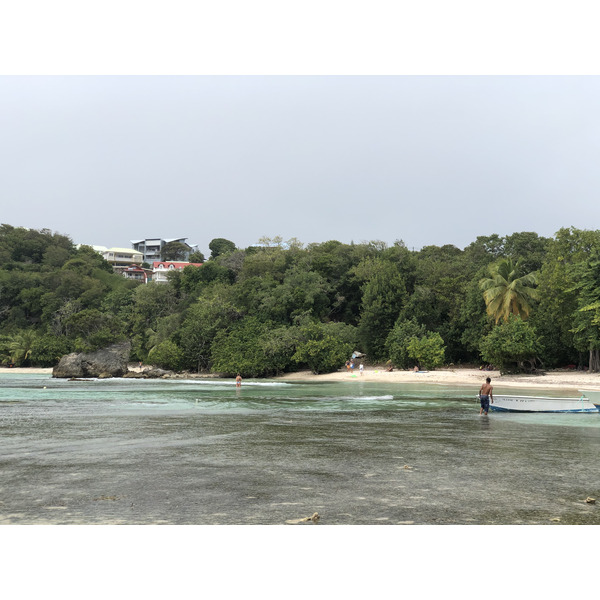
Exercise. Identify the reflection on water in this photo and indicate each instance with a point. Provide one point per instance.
(204, 452)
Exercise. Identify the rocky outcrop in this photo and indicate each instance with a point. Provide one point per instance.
(107, 362)
(154, 373)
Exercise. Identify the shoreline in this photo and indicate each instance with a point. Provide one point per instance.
(555, 379)
(30, 370)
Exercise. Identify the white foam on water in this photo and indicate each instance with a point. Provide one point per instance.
(228, 383)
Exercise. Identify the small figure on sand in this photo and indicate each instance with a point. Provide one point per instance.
(238, 380)
(416, 369)
(361, 368)
(485, 396)
(347, 365)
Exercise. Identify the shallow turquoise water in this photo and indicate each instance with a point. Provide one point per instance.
(206, 452)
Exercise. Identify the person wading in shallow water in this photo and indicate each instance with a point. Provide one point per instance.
(238, 381)
(485, 395)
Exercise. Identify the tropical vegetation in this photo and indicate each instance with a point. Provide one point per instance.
(521, 301)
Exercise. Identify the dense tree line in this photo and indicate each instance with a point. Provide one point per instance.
(519, 301)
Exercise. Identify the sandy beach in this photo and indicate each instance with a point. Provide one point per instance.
(558, 379)
(32, 370)
(555, 379)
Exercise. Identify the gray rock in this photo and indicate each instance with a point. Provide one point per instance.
(107, 362)
(151, 373)
(156, 373)
(134, 375)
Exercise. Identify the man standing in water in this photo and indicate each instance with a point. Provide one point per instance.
(485, 395)
(238, 381)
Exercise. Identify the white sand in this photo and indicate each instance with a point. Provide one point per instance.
(559, 379)
(33, 370)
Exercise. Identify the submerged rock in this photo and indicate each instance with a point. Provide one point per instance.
(107, 362)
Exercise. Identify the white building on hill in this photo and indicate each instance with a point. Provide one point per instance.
(160, 269)
(151, 248)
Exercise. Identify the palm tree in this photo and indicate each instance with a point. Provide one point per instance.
(20, 346)
(505, 293)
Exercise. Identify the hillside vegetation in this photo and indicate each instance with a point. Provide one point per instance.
(520, 302)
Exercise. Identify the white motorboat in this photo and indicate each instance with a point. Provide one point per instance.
(544, 404)
(593, 395)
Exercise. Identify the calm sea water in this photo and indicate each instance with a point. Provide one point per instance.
(206, 452)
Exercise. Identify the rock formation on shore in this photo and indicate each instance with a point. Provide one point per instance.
(107, 362)
(153, 373)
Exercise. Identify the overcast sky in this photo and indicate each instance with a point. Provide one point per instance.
(423, 159)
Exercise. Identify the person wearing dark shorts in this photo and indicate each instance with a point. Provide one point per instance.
(485, 403)
(485, 395)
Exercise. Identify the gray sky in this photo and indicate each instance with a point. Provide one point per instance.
(424, 159)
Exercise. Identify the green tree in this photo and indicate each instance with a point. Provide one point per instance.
(586, 321)
(174, 251)
(428, 351)
(527, 247)
(4, 350)
(240, 350)
(219, 246)
(279, 346)
(335, 262)
(47, 350)
(324, 355)
(559, 287)
(507, 292)
(384, 294)
(483, 251)
(20, 347)
(511, 345)
(472, 322)
(213, 313)
(396, 344)
(93, 329)
(324, 347)
(31, 246)
(265, 262)
(196, 257)
(301, 292)
(167, 355)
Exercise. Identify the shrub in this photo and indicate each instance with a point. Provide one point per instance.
(512, 344)
(167, 355)
(323, 348)
(240, 350)
(47, 350)
(396, 344)
(428, 351)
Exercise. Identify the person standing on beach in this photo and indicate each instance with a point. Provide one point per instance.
(238, 381)
(485, 395)
(361, 368)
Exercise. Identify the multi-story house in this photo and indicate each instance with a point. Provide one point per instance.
(160, 269)
(137, 273)
(122, 257)
(151, 248)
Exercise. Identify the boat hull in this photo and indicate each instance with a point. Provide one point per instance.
(543, 404)
(593, 395)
